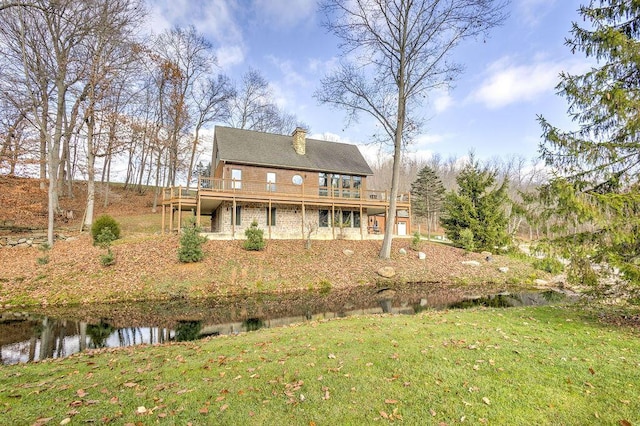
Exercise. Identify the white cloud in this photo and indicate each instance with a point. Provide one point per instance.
(531, 12)
(289, 71)
(508, 82)
(285, 13)
(229, 55)
(442, 101)
(215, 19)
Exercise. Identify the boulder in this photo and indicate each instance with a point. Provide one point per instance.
(470, 262)
(347, 252)
(422, 255)
(386, 271)
(503, 269)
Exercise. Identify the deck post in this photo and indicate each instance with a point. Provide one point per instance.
(198, 207)
(233, 218)
(333, 220)
(361, 220)
(163, 215)
(171, 217)
(269, 218)
(304, 218)
(179, 208)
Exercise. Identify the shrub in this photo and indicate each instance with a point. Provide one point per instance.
(101, 223)
(415, 241)
(107, 259)
(466, 239)
(549, 264)
(191, 244)
(44, 248)
(255, 237)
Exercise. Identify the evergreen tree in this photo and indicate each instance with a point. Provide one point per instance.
(477, 209)
(427, 195)
(595, 189)
(191, 244)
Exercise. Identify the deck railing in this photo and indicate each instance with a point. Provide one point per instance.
(277, 189)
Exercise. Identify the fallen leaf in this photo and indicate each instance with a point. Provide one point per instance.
(67, 420)
(129, 385)
(141, 410)
(331, 356)
(486, 400)
(81, 393)
(326, 393)
(432, 412)
(592, 371)
(625, 423)
(390, 401)
(384, 415)
(204, 410)
(224, 407)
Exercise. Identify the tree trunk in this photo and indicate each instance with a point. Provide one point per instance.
(91, 183)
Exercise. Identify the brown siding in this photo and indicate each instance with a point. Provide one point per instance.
(283, 177)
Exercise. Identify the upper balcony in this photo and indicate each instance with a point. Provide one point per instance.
(246, 190)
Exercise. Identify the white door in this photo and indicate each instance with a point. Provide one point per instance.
(402, 228)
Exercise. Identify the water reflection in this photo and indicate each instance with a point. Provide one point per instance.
(58, 332)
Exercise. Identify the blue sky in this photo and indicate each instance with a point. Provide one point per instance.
(509, 78)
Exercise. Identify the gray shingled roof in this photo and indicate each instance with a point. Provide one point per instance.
(267, 149)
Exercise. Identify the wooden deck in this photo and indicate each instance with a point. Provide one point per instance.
(210, 192)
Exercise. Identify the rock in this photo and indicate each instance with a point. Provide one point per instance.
(402, 251)
(486, 253)
(22, 240)
(423, 302)
(422, 255)
(503, 269)
(386, 271)
(489, 259)
(470, 262)
(11, 242)
(347, 252)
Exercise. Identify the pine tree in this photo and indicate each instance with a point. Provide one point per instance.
(477, 207)
(595, 189)
(427, 196)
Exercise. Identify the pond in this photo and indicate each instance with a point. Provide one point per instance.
(59, 332)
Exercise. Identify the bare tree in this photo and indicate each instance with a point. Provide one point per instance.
(186, 58)
(211, 101)
(394, 52)
(253, 108)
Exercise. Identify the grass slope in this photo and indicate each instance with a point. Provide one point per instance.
(521, 366)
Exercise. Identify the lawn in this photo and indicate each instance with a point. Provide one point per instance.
(519, 366)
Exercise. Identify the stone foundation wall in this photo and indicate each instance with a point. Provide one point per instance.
(289, 223)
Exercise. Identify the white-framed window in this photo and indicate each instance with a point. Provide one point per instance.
(236, 179)
(271, 181)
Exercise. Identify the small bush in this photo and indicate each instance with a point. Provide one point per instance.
(325, 287)
(549, 264)
(108, 259)
(44, 248)
(466, 239)
(415, 241)
(255, 237)
(105, 222)
(191, 244)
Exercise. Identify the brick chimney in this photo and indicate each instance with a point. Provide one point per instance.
(299, 140)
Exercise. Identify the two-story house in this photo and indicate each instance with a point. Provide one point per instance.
(289, 185)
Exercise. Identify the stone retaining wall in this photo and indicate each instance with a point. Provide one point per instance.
(27, 239)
